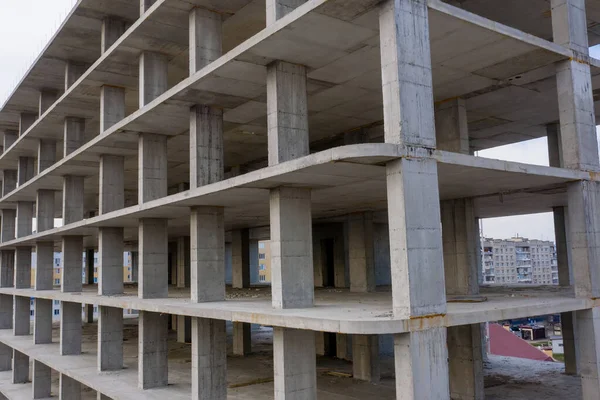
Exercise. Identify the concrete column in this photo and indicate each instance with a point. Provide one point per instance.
(365, 357)
(42, 322)
(183, 263)
(294, 363)
(291, 248)
(360, 249)
(5, 357)
(7, 268)
(72, 261)
(25, 122)
(153, 362)
(23, 268)
(21, 317)
(44, 210)
(112, 183)
(110, 257)
(24, 218)
(42, 381)
(152, 167)
(69, 388)
(9, 220)
(112, 29)
(205, 38)
(206, 146)
(242, 338)
(26, 169)
(73, 199)
(465, 362)
(46, 99)
(46, 154)
(110, 338)
(70, 328)
(240, 258)
(209, 359)
(74, 135)
(452, 132)
(9, 183)
(339, 260)
(154, 258)
(20, 367)
(10, 137)
(342, 344)
(208, 254)
(184, 329)
(134, 266)
(6, 311)
(112, 106)
(277, 9)
(73, 71)
(153, 76)
(145, 5)
(421, 359)
(287, 112)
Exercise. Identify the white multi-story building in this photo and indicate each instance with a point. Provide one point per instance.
(519, 260)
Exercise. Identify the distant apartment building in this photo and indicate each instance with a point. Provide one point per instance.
(264, 261)
(519, 260)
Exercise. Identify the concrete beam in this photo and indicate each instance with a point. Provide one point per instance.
(44, 273)
(71, 264)
(69, 388)
(46, 154)
(110, 258)
(206, 146)
(153, 258)
(153, 355)
(44, 210)
(112, 183)
(152, 167)
(205, 38)
(208, 254)
(26, 169)
(240, 258)
(209, 359)
(70, 328)
(292, 274)
(72, 199)
(294, 364)
(42, 380)
(42, 321)
(110, 338)
(360, 252)
(20, 367)
(112, 106)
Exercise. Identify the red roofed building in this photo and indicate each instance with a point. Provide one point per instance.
(505, 343)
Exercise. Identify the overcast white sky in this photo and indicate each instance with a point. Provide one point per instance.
(29, 24)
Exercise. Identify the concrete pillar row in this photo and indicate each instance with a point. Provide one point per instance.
(25, 169)
(9, 183)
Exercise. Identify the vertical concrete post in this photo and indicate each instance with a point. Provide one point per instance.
(153, 76)
(153, 362)
(152, 167)
(9, 183)
(294, 363)
(46, 154)
(240, 258)
(242, 338)
(69, 388)
(339, 259)
(72, 261)
(184, 329)
(46, 99)
(145, 5)
(365, 357)
(20, 367)
(209, 359)
(9, 220)
(206, 146)
(361, 256)
(73, 71)
(42, 380)
(70, 328)
(112, 29)
(277, 9)
(72, 200)
(74, 134)
(110, 258)
(44, 279)
(42, 322)
(25, 170)
(5, 357)
(7, 268)
(205, 38)
(21, 318)
(24, 218)
(416, 255)
(6, 311)
(183, 263)
(112, 183)
(208, 254)
(154, 258)
(44, 210)
(26, 120)
(452, 133)
(110, 338)
(112, 106)
(10, 137)
(22, 268)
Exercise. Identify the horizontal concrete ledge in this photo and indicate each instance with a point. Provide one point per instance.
(335, 311)
(118, 385)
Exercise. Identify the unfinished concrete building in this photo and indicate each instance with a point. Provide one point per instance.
(343, 131)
